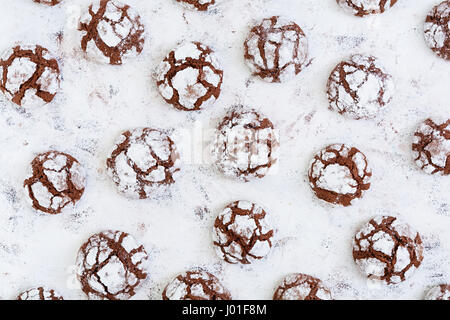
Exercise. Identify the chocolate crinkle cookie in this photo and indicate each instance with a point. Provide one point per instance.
(363, 8)
(30, 75)
(40, 293)
(359, 87)
(339, 174)
(246, 144)
(48, 2)
(200, 5)
(190, 77)
(431, 146)
(56, 179)
(387, 250)
(276, 50)
(144, 161)
(196, 284)
(437, 29)
(299, 286)
(242, 233)
(439, 292)
(111, 265)
(112, 32)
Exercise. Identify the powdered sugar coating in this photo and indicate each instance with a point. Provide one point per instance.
(363, 8)
(40, 293)
(143, 163)
(246, 144)
(111, 265)
(200, 5)
(111, 32)
(439, 292)
(431, 146)
(359, 87)
(196, 284)
(339, 174)
(29, 75)
(190, 77)
(388, 250)
(55, 180)
(276, 50)
(437, 29)
(242, 233)
(299, 286)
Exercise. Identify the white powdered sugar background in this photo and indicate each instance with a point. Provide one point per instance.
(98, 102)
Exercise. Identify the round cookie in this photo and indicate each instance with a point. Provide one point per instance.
(190, 77)
(56, 179)
(242, 234)
(246, 144)
(431, 146)
(111, 32)
(339, 174)
(359, 87)
(440, 292)
(387, 250)
(299, 286)
(40, 293)
(143, 163)
(200, 5)
(48, 2)
(196, 284)
(276, 50)
(363, 8)
(30, 75)
(111, 265)
(437, 29)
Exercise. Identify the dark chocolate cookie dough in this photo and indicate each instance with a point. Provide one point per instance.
(431, 146)
(40, 293)
(190, 77)
(200, 5)
(111, 265)
(56, 180)
(437, 29)
(29, 75)
(242, 233)
(111, 32)
(48, 2)
(276, 50)
(363, 8)
(387, 250)
(196, 284)
(339, 174)
(143, 163)
(299, 286)
(246, 144)
(439, 292)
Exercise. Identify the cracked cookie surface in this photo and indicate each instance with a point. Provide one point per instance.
(143, 163)
(111, 32)
(388, 250)
(30, 75)
(437, 29)
(242, 234)
(48, 2)
(56, 179)
(339, 174)
(200, 5)
(439, 292)
(196, 284)
(40, 293)
(363, 8)
(246, 144)
(111, 265)
(276, 50)
(431, 146)
(359, 87)
(190, 77)
(299, 286)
